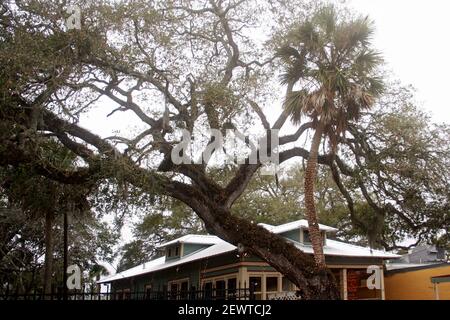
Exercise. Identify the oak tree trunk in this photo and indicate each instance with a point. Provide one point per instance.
(311, 215)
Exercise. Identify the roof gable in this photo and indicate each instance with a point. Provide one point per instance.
(192, 238)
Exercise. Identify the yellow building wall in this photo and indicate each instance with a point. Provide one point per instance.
(416, 285)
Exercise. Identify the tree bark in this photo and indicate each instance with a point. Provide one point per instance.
(48, 262)
(311, 215)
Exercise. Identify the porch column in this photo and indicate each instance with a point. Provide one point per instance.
(280, 283)
(242, 277)
(383, 293)
(263, 287)
(436, 291)
(344, 293)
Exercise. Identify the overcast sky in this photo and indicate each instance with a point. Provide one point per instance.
(413, 36)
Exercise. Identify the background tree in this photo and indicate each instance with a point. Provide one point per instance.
(35, 218)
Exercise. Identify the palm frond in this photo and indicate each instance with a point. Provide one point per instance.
(287, 52)
(296, 103)
(367, 60)
(376, 86)
(355, 33)
(334, 58)
(307, 36)
(326, 19)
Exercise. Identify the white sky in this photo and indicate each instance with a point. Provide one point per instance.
(413, 36)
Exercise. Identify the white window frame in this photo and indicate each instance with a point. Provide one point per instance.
(225, 278)
(264, 276)
(178, 283)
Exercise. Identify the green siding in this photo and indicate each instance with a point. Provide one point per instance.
(260, 268)
(192, 247)
(252, 259)
(341, 260)
(293, 235)
(221, 272)
(221, 260)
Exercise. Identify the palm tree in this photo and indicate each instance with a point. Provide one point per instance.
(330, 59)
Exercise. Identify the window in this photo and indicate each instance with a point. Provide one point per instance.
(232, 284)
(148, 292)
(271, 284)
(173, 251)
(271, 287)
(220, 289)
(126, 294)
(163, 293)
(174, 290)
(179, 289)
(184, 290)
(306, 238)
(207, 290)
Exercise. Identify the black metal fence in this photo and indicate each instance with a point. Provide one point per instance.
(213, 294)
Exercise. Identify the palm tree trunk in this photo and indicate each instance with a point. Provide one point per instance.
(48, 263)
(310, 177)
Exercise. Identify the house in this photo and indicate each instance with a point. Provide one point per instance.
(417, 281)
(216, 268)
(424, 254)
(422, 274)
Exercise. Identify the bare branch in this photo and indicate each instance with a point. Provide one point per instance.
(294, 137)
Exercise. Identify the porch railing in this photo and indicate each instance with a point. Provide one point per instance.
(213, 294)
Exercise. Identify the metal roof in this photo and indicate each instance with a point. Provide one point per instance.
(339, 248)
(160, 263)
(393, 268)
(299, 224)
